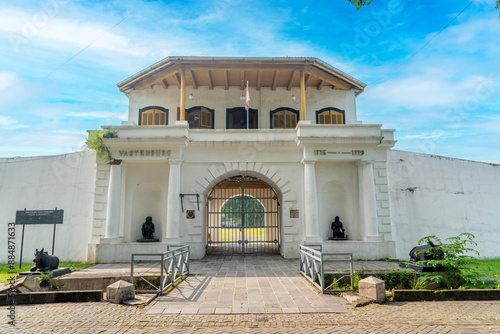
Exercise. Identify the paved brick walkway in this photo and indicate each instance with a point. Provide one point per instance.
(236, 275)
(414, 317)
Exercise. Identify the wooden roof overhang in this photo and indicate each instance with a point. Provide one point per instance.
(232, 71)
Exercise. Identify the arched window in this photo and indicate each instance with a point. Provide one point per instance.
(153, 116)
(330, 116)
(284, 118)
(200, 118)
(236, 118)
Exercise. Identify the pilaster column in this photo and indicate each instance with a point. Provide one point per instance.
(183, 96)
(361, 198)
(368, 204)
(173, 202)
(311, 202)
(302, 96)
(114, 200)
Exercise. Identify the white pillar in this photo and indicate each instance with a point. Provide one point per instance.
(173, 202)
(369, 203)
(361, 199)
(114, 201)
(311, 202)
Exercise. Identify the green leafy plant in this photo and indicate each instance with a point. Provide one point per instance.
(457, 255)
(357, 278)
(45, 277)
(397, 279)
(95, 142)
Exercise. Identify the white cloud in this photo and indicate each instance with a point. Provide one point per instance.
(431, 87)
(435, 135)
(54, 31)
(7, 79)
(487, 123)
(99, 115)
(10, 123)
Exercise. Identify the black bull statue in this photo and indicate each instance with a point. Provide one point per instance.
(44, 261)
(426, 252)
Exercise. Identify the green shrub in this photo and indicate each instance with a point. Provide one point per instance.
(457, 261)
(95, 142)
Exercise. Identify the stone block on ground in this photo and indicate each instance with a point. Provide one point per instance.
(355, 299)
(119, 292)
(140, 299)
(372, 287)
(18, 284)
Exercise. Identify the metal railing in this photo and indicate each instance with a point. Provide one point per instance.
(174, 266)
(313, 266)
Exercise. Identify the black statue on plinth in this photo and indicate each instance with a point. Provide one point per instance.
(338, 230)
(148, 230)
(44, 262)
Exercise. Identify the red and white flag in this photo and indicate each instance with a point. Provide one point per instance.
(247, 99)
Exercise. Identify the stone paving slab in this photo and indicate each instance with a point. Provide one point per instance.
(123, 269)
(246, 284)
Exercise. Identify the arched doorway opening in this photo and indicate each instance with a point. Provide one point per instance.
(242, 217)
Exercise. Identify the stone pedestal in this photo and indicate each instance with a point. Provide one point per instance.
(373, 288)
(119, 292)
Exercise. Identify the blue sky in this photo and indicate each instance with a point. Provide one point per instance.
(60, 61)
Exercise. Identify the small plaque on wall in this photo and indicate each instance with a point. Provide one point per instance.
(294, 213)
(190, 214)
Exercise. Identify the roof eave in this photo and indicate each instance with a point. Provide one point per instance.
(164, 63)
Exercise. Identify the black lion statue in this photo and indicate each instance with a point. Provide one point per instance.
(44, 261)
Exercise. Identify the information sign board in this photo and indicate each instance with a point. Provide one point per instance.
(33, 217)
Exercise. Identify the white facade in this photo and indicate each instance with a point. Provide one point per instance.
(387, 200)
(318, 170)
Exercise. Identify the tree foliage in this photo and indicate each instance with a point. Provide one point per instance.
(361, 3)
(242, 208)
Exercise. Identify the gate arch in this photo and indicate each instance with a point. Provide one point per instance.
(242, 217)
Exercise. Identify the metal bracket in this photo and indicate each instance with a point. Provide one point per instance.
(197, 200)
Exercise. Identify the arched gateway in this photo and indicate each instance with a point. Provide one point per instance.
(242, 217)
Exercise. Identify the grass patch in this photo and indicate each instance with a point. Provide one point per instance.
(486, 275)
(6, 272)
(486, 267)
(233, 234)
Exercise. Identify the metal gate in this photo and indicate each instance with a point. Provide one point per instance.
(242, 217)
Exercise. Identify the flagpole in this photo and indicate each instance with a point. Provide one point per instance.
(247, 97)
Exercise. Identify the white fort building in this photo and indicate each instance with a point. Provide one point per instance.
(226, 181)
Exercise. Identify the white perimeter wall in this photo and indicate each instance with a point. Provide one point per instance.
(44, 183)
(433, 195)
(449, 196)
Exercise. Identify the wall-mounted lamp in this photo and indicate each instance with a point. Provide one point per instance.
(191, 96)
(293, 98)
(242, 98)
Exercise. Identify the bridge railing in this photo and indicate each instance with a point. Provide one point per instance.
(174, 266)
(316, 266)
